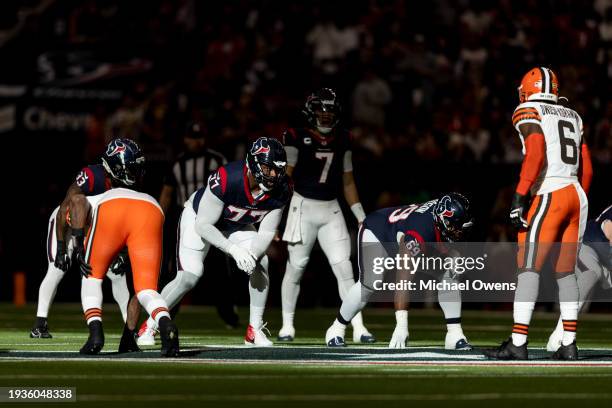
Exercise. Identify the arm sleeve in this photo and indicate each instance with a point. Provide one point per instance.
(347, 163)
(292, 155)
(209, 212)
(266, 232)
(585, 172)
(535, 150)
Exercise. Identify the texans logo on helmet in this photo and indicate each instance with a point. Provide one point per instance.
(118, 148)
(261, 149)
(446, 213)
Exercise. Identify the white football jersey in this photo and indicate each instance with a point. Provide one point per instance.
(562, 129)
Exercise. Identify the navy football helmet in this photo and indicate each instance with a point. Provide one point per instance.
(267, 154)
(452, 216)
(124, 162)
(322, 110)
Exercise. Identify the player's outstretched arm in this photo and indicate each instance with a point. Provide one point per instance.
(62, 260)
(266, 232)
(209, 212)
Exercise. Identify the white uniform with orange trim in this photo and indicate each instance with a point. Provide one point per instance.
(562, 128)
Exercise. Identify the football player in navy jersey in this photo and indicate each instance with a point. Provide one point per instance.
(594, 265)
(239, 195)
(70, 219)
(319, 160)
(408, 230)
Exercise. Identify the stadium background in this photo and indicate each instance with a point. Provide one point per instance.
(428, 89)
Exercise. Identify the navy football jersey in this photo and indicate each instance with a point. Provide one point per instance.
(415, 221)
(92, 180)
(230, 184)
(319, 168)
(596, 239)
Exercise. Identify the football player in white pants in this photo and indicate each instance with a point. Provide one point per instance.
(593, 265)
(225, 216)
(48, 287)
(319, 161)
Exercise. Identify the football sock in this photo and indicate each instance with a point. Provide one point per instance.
(258, 290)
(450, 303)
(344, 275)
(525, 297)
(91, 298)
(154, 304)
(174, 291)
(290, 290)
(568, 302)
(354, 302)
(47, 290)
(121, 293)
(586, 282)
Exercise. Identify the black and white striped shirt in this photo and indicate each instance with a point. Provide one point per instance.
(190, 172)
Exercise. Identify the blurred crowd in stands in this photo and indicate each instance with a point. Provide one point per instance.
(430, 82)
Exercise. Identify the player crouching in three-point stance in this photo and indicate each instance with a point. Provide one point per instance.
(123, 217)
(594, 265)
(320, 161)
(557, 171)
(408, 230)
(238, 195)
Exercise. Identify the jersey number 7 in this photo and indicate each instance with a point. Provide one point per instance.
(328, 157)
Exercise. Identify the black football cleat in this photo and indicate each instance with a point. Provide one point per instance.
(40, 329)
(127, 344)
(95, 342)
(569, 352)
(168, 332)
(508, 351)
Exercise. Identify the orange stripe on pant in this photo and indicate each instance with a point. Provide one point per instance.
(553, 218)
(125, 221)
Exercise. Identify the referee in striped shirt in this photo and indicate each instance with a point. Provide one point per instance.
(187, 174)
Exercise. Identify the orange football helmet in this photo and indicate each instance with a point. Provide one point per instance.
(539, 84)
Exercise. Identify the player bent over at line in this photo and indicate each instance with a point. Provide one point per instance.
(406, 230)
(120, 218)
(91, 181)
(238, 195)
(594, 264)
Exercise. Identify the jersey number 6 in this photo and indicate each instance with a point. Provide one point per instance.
(569, 150)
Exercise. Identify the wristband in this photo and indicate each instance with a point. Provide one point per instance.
(357, 210)
(78, 233)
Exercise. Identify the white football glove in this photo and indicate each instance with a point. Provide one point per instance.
(399, 338)
(244, 258)
(400, 334)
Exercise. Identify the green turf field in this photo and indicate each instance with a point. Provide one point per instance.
(216, 370)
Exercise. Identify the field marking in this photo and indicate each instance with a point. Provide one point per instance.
(345, 397)
(486, 363)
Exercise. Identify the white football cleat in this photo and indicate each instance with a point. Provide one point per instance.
(399, 340)
(257, 337)
(457, 341)
(334, 337)
(286, 333)
(362, 335)
(554, 341)
(146, 335)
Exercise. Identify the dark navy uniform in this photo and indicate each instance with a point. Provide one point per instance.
(319, 168)
(231, 185)
(92, 180)
(595, 238)
(415, 221)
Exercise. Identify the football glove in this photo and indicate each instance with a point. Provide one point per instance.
(62, 260)
(400, 334)
(519, 202)
(78, 253)
(244, 258)
(121, 264)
